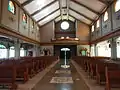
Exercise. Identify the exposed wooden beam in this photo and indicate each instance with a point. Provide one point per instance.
(97, 13)
(49, 21)
(60, 9)
(48, 15)
(104, 2)
(78, 19)
(27, 2)
(81, 14)
(43, 7)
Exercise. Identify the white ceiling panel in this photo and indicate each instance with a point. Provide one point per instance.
(63, 3)
(49, 18)
(21, 1)
(93, 4)
(79, 17)
(36, 5)
(46, 11)
(82, 10)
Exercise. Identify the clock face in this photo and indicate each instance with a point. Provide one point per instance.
(64, 25)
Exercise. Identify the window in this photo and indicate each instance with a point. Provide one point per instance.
(22, 52)
(92, 50)
(64, 25)
(12, 52)
(3, 51)
(118, 47)
(98, 23)
(106, 16)
(117, 5)
(24, 18)
(11, 7)
(103, 49)
(93, 28)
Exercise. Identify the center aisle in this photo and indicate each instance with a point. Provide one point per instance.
(59, 78)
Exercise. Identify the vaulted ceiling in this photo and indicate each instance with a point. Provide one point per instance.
(44, 11)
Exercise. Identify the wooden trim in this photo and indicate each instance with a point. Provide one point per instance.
(67, 43)
(69, 32)
(9, 32)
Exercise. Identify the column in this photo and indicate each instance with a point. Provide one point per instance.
(17, 48)
(113, 48)
(8, 49)
(95, 50)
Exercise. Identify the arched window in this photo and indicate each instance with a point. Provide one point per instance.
(3, 51)
(98, 23)
(106, 16)
(117, 5)
(11, 7)
(93, 28)
(12, 52)
(24, 18)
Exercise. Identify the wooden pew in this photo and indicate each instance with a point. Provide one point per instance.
(8, 76)
(112, 75)
(23, 68)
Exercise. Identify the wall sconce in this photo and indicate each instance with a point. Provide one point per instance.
(62, 37)
(76, 39)
(67, 37)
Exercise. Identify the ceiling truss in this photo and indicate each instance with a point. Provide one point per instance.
(67, 8)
